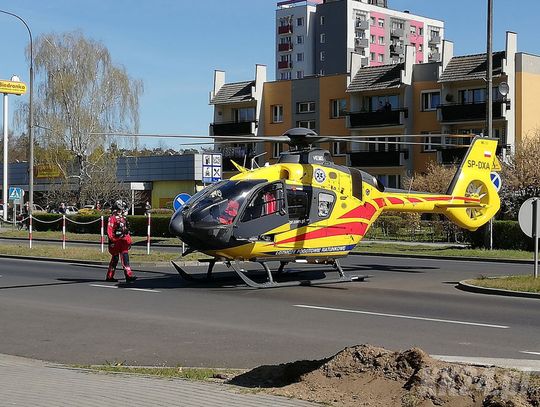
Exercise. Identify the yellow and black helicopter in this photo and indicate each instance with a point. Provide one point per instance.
(307, 209)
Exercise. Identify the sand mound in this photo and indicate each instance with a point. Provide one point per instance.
(365, 375)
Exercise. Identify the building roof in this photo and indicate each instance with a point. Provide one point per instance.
(234, 93)
(471, 67)
(377, 77)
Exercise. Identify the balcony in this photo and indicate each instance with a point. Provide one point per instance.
(396, 50)
(361, 43)
(285, 47)
(397, 32)
(285, 29)
(361, 25)
(284, 64)
(435, 39)
(232, 128)
(372, 119)
(451, 155)
(468, 112)
(376, 159)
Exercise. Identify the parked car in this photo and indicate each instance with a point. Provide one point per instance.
(71, 210)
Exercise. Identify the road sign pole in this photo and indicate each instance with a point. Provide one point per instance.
(5, 180)
(535, 235)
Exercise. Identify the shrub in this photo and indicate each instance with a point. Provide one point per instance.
(506, 235)
(138, 224)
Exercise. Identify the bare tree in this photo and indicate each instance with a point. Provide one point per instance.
(521, 175)
(80, 91)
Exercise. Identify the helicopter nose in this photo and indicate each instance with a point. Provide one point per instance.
(176, 225)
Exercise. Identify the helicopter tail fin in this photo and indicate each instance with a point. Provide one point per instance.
(473, 180)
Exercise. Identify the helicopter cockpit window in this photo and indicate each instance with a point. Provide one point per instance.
(219, 204)
(267, 201)
(326, 201)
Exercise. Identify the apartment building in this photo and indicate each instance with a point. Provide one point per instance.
(319, 37)
(237, 110)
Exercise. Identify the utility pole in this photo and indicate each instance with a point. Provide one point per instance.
(489, 71)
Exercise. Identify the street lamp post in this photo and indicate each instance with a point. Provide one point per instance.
(30, 116)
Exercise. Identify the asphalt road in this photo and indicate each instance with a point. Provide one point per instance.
(66, 313)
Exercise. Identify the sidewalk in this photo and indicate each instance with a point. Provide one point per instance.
(28, 382)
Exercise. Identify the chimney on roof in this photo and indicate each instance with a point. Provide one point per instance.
(219, 81)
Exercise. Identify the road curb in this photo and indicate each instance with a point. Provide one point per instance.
(420, 256)
(95, 263)
(463, 285)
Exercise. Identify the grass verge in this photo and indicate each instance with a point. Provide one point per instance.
(512, 283)
(450, 251)
(90, 253)
(189, 373)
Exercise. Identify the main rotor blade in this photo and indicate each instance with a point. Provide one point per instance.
(282, 139)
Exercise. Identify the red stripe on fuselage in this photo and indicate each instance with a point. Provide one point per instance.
(365, 211)
(380, 202)
(414, 200)
(394, 201)
(352, 228)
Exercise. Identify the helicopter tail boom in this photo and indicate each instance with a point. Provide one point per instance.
(471, 200)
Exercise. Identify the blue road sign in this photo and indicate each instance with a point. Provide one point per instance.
(15, 194)
(496, 179)
(180, 200)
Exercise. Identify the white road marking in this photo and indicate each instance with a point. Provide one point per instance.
(530, 353)
(127, 288)
(146, 290)
(379, 314)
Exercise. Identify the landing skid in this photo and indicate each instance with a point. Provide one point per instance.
(271, 283)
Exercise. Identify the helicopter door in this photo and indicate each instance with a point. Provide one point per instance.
(265, 211)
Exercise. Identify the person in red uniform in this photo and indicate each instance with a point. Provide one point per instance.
(119, 242)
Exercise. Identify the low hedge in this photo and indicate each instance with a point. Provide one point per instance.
(137, 224)
(506, 235)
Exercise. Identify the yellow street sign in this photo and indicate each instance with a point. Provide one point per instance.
(11, 87)
(496, 166)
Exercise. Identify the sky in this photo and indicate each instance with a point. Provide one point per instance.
(174, 46)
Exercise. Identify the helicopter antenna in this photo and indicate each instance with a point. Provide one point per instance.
(410, 184)
(253, 162)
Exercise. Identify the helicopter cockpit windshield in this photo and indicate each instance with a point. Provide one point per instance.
(219, 205)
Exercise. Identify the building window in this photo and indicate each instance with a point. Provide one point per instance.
(339, 148)
(467, 96)
(420, 48)
(338, 107)
(277, 113)
(372, 56)
(381, 40)
(413, 29)
(431, 143)
(322, 55)
(323, 38)
(380, 58)
(300, 39)
(285, 40)
(430, 100)
(300, 21)
(276, 150)
(308, 124)
(381, 22)
(285, 75)
(299, 74)
(300, 57)
(305, 107)
(372, 20)
(321, 72)
(244, 114)
(285, 21)
(382, 103)
(420, 31)
(372, 39)
(322, 20)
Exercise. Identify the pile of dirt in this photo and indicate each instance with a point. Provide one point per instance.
(365, 375)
